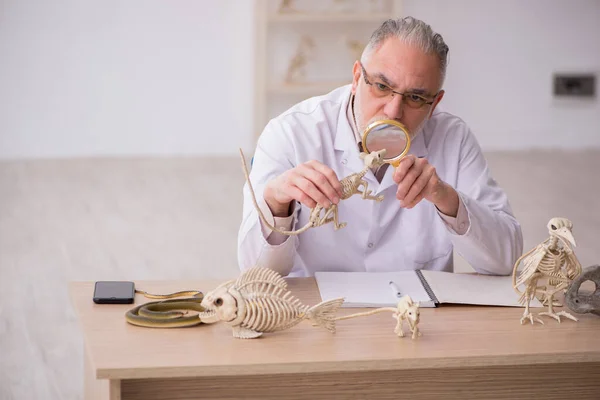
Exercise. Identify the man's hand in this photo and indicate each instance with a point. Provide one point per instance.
(309, 183)
(418, 180)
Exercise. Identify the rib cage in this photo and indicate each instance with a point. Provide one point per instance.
(272, 308)
(256, 279)
(351, 183)
(551, 266)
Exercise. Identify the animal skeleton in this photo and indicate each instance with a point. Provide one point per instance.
(258, 301)
(552, 260)
(296, 70)
(406, 310)
(286, 6)
(350, 186)
(356, 48)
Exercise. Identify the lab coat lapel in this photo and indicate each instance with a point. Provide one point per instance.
(418, 148)
(347, 151)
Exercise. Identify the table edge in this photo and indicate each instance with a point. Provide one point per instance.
(345, 366)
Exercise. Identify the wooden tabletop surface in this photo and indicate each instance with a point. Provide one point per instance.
(452, 336)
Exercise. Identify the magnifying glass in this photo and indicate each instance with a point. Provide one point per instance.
(389, 135)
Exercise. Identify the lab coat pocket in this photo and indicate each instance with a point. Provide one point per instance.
(429, 256)
(429, 247)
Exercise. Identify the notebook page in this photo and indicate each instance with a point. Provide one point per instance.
(474, 289)
(371, 289)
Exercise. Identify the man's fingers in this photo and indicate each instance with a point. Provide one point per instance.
(416, 200)
(409, 179)
(322, 183)
(418, 187)
(309, 188)
(311, 183)
(405, 164)
(300, 196)
(332, 178)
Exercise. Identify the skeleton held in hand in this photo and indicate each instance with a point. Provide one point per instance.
(552, 261)
(350, 186)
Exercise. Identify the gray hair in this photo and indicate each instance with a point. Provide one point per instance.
(411, 31)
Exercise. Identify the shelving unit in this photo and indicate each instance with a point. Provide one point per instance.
(328, 17)
(330, 24)
(303, 88)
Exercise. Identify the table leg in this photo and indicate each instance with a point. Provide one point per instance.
(99, 389)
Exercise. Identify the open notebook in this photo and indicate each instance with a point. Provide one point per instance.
(373, 289)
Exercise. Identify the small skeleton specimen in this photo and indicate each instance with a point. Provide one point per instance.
(406, 310)
(356, 48)
(296, 70)
(585, 302)
(350, 186)
(258, 302)
(552, 261)
(286, 6)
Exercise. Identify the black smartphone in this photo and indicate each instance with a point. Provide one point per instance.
(114, 292)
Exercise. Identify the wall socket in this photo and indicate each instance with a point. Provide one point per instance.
(575, 85)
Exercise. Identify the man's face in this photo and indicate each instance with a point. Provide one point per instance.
(401, 68)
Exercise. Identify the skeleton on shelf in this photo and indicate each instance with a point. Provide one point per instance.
(296, 71)
(355, 47)
(553, 262)
(286, 6)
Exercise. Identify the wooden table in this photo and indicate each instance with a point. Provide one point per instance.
(465, 353)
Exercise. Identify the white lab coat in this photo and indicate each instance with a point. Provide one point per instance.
(379, 236)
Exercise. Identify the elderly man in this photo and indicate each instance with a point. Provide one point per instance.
(441, 197)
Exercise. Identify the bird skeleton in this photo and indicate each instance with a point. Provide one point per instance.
(553, 262)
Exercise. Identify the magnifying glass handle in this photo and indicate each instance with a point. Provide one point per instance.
(396, 163)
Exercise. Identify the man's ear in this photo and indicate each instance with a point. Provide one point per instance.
(436, 102)
(356, 70)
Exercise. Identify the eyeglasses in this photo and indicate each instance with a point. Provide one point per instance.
(381, 90)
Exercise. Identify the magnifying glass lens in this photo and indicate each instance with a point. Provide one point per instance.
(390, 135)
(387, 137)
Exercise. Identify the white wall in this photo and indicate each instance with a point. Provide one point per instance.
(113, 77)
(502, 58)
(152, 77)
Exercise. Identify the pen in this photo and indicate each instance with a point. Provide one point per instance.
(396, 289)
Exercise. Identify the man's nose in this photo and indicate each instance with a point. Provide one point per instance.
(394, 107)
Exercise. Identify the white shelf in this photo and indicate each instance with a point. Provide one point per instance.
(331, 28)
(329, 17)
(308, 88)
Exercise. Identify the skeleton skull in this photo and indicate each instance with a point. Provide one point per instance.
(562, 228)
(221, 301)
(220, 304)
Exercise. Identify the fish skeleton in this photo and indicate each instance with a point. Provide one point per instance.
(259, 302)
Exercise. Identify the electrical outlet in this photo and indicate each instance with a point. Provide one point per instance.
(578, 85)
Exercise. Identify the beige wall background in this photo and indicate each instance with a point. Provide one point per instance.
(111, 78)
(120, 124)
